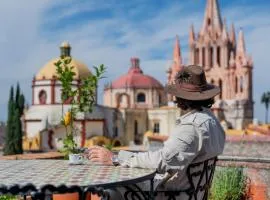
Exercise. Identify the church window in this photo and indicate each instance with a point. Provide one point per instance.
(115, 132)
(241, 84)
(141, 98)
(136, 127)
(236, 85)
(208, 21)
(203, 56)
(42, 96)
(220, 86)
(218, 55)
(211, 57)
(159, 99)
(156, 127)
(197, 56)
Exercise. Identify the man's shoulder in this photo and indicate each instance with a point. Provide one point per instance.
(198, 118)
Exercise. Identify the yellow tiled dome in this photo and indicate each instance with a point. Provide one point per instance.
(48, 71)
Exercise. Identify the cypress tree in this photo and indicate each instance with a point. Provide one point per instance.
(9, 130)
(21, 103)
(17, 145)
(18, 94)
(13, 137)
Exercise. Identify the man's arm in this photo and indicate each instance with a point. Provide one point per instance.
(178, 151)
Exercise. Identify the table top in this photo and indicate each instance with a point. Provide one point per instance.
(60, 172)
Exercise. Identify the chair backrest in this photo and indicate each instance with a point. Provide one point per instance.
(200, 177)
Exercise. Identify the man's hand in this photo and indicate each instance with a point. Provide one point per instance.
(100, 155)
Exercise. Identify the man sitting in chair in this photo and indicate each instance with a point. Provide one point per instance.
(197, 136)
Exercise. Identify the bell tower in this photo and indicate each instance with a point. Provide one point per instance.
(226, 64)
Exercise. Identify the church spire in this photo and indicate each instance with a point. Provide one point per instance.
(177, 52)
(191, 35)
(224, 31)
(241, 47)
(212, 17)
(232, 35)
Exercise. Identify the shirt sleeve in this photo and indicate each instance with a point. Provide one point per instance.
(178, 152)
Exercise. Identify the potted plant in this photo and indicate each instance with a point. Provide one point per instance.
(229, 183)
(81, 99)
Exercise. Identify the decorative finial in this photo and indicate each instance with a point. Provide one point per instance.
(65, 49)
(135, 62)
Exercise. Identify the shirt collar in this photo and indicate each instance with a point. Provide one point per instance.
(187, 114)
(181, 118)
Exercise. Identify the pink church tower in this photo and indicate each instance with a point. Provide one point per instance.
(175, 67)
(226, 64)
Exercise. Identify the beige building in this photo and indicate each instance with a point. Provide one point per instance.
(141, 99)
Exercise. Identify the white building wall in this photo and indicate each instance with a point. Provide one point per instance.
(93, 128)
(166, 118)
(32, 129)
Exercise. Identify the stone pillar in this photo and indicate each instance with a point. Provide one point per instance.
(200, 56)
(191, 56)
(214, 56)
(207, 54)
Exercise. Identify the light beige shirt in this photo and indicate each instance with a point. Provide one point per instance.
(196, 137)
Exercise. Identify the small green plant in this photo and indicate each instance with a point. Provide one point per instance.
(8, 197)
(81, 99)
(108, 146)
(229, 183)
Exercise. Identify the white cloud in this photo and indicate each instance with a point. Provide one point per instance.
(28, 39)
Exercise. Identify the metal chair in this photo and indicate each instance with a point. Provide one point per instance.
(200, 177)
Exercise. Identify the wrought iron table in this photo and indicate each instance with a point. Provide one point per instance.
(41, 178)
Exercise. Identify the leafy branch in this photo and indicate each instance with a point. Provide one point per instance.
(81, 98)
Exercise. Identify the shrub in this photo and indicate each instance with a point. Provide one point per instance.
(8, 197)
(229, 183)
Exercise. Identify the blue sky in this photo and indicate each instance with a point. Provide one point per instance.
(110, 32)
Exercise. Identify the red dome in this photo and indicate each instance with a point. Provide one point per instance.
(136, 79)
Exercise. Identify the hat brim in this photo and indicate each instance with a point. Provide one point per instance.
(210, 92)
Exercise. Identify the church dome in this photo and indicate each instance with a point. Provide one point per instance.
(48, 71)
(136, 79)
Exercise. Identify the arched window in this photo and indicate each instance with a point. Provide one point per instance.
(241, 84)
(218, 55)
(208, 21)
(159, 99)
(197, 56)
(42, 96)
(211, 57)
(220, 86)
(141, 98)
(236, 85)
(135, 127)
(212, 82)
(156, 127)
(203, 56)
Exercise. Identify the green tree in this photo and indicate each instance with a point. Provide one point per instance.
(21, 103)
(10, 129)
(17, 145)
(13, 136)
(265, 99)
(18, 94)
